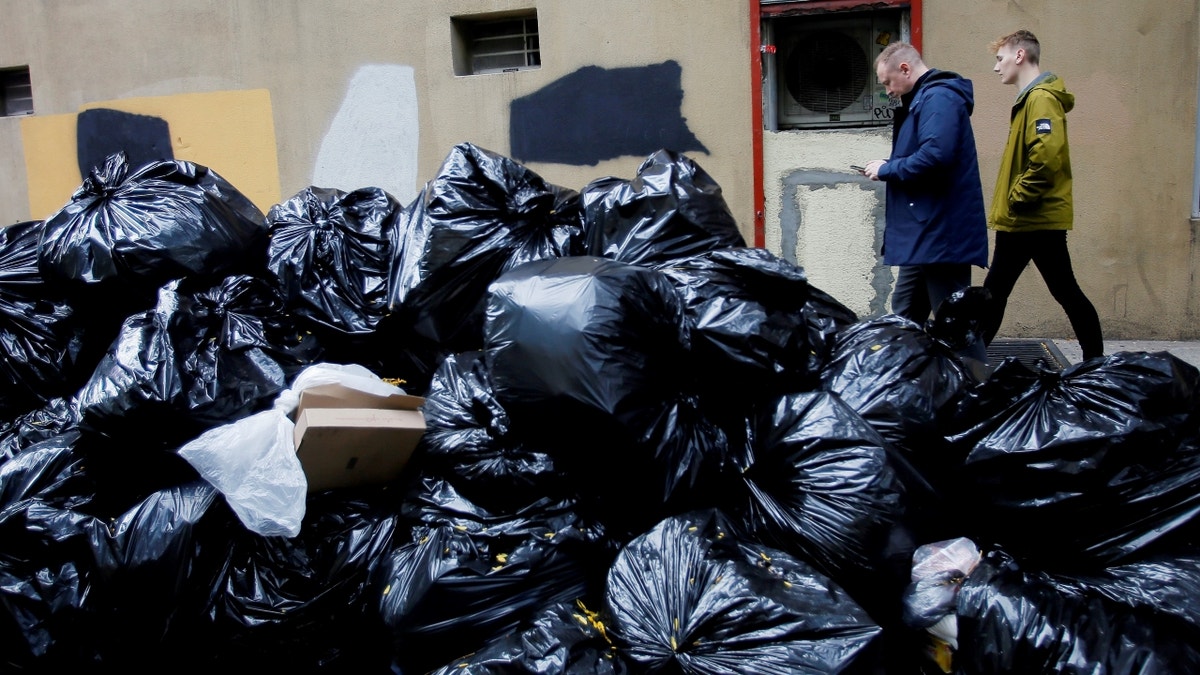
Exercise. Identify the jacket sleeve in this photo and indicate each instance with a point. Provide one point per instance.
(1043, 150)
(939, 126)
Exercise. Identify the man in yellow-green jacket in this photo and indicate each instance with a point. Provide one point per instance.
(1032, 208)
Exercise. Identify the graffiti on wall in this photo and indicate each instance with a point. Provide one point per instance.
(372, 141)
(230, 132)
(596, 114)
(102, 132)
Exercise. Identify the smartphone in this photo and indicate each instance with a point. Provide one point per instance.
(858, 168)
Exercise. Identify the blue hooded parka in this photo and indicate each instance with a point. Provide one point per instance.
(934, 195)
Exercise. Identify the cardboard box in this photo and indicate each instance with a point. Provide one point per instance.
(345, 437)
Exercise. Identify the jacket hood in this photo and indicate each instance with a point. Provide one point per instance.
(1053, 84)
(953, 81)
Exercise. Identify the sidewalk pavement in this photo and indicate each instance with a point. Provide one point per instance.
(1186, 351)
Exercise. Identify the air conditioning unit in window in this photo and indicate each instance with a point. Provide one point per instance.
(826, 70)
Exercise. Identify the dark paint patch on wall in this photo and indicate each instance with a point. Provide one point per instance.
(101, 131)
(596, 114)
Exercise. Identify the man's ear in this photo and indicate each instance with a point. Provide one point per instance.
(1020, 55)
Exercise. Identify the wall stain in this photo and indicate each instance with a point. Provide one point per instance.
(596, 114)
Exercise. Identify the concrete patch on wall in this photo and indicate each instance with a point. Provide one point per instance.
(835, 235)
(823, 216)
(596, 114)
(373, 139)
(230, 132)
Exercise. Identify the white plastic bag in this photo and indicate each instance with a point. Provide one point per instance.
(253, 462)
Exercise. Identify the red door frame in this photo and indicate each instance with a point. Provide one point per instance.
(757, 49)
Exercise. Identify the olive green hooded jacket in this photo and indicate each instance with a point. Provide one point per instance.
(1033, 190)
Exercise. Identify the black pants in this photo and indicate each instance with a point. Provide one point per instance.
(920, 289)
(1048, 251)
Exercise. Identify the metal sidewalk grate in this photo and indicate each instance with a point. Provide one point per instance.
(1028, 352)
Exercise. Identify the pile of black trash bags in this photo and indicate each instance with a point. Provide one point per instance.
(649, 448)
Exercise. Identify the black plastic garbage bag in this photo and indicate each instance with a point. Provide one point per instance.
(302, 604)
(482, 215)
(92, 578)
(44, 342)
(905, 384)
(1013, 621)
(466, 576)
(747, 311)
(56, 417)
(468, 441)
(330, 253)
(205, 356)
(137, 231)
(672, 209)
(1083, 467)
(562, 639)
(957, 323)
(1165, 583)
(692, 595)
(589, 357)
(585, 333)
(817, 481)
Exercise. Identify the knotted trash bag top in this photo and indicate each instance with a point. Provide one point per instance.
(330, 253)
(958, 321)
(672, 209)
(465, 575)
(467, 436)
(904, 383)
(817, 481)
(691, 595)
(166, 220)
(204, 356)
(482, 215)
(748, 314)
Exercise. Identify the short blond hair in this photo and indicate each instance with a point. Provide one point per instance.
(896, 53)
(1021, 39)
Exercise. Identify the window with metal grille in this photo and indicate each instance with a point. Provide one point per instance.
(16, 92)
(496, 45)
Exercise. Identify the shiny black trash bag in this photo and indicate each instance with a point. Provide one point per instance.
(136, 231)
(693, 595)
(468, 440)
(463, 576)
(482, 215)
(1124, 621)
(47, 346)
(754, 329)
(561, 639)
(329, 254)
(1085, 467)
(589, 357)
(671, 209)
(203, 357)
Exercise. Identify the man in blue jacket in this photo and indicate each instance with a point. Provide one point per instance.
(936, 228)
